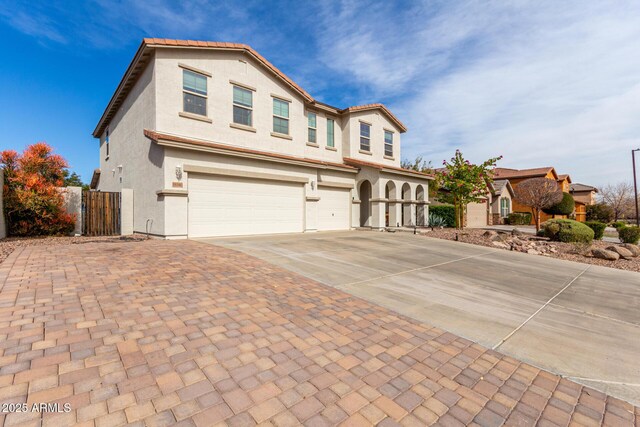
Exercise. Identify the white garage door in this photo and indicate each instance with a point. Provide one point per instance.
(333, 209)
(476, 215)
(230, 206)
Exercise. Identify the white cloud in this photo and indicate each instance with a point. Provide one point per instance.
(543, 83)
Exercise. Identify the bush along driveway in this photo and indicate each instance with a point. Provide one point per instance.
(182, 333)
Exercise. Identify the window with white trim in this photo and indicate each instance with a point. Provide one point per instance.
(388, 143)
(331, 124)
(505, 207)
(365, 137)
(106, 143)
(194, 93)
(242, 106)
(312, 121)
(280, 116)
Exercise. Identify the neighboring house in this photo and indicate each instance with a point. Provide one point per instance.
(501, 201)
(584, 193)
(516, 176)
(214, 140)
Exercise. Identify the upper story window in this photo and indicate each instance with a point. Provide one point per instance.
(106, 143)
(312, 127)
(331, 124)
(388, 143)
(194, 92)
(242, 106)
(280, 116)
(365, 137)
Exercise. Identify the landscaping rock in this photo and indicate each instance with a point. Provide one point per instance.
(516, 232)
(634, 249)
(490, 234)
(623, 252)
(533, 252)
(500, 245)
(605, 254)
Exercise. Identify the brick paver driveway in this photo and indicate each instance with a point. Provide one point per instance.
(182, 332)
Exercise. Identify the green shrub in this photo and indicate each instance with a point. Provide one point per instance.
(597, 227)
(565, 207)
(519, 218)
(446, 212)
(599, 212)
(567, 230)
(618, 225)
(629, 234)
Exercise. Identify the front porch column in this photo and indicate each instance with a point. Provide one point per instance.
(378, 213)
(409, 214)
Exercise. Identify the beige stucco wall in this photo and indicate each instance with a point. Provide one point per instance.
(495, 203)
(379, 123)
(235, 66)
(586, 197)
(3, 227)
(133, 157)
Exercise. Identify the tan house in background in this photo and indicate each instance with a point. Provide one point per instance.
(516, 176)
(584, 193)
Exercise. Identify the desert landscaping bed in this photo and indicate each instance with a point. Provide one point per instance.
(578, 252)
(10, 244)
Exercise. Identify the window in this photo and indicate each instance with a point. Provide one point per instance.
(504, 207)
(242, 106)
(280, 116)
(194, 93)
(312, 128)
(365, 137)
(106, 142)
(388, 143)
(330, 135)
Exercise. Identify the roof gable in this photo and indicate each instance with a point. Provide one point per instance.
(144, 55)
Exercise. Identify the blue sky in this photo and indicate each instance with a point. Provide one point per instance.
(544, 83)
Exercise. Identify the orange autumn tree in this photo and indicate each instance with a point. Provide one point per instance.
(33, 204)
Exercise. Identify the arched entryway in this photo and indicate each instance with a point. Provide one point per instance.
(406, 204)
(420, 217)
(364, 194)
(390, 209)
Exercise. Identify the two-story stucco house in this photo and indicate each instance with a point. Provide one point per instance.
(214, 140)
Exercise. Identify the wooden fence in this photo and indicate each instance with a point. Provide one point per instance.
(100, 213)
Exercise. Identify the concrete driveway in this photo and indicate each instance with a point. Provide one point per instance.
(573, 319)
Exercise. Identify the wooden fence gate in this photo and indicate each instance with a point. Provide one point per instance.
(100, 213)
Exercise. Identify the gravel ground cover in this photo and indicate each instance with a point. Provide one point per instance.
(568, 251)
(10, 244)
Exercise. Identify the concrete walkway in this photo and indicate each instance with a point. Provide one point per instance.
(573, 319)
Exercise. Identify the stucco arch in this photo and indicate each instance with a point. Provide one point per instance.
(364, 194)
(391, 194)
(421, 220)
(406, 204)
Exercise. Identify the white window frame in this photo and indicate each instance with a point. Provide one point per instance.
(310, 128)
(106, 144)
(388, 144)
(333, 133)
(244, 107)
(368, 138)
(506, 208)
(282, 117)
(187, 91)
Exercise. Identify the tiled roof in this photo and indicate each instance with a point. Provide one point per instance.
(582, 187)
(522, 173)
(356, 162)
(563, 177)
(143, 55)
(159, 136)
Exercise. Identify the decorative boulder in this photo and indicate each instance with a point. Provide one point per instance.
(501, 245)
(623, 252)
(605, 254)
(634, 249)
(490, 233)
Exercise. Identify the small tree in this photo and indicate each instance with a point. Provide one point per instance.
(566, 206)
(33, 204)
(619, 197)
(600, 212)
(72, 179)
(538, 194)
(463, 182)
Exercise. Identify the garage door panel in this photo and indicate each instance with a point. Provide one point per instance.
(228, 206)
(334, 209)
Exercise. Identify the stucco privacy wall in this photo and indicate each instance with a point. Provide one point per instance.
(134, 161)
(225, 68)
(3, 227)
(73, 205)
